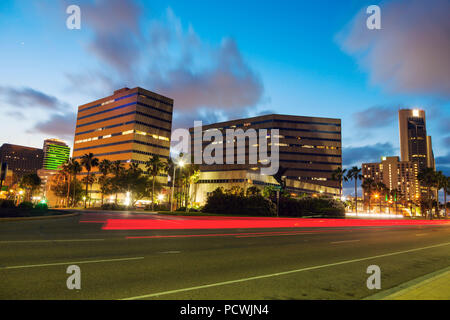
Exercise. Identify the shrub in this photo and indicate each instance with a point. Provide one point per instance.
(237, 204)
(113, 206)
(7, 204)
(26, 205)
(311, 207)
(41, 206)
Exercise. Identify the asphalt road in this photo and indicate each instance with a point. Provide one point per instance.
(282, 263)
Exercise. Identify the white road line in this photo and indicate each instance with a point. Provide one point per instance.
(170, 252)
(157, 294)
(68, 240)
(344, 241)
(67, 263)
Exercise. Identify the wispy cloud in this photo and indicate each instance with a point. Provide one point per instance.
(58, 125)
(411, 53)
(29, 98)
(167, 58)
(369, 153)
(375, 117)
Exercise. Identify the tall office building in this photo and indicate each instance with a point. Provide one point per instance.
(56, 153)
(130, 126)
(21, 160)
(415, 145)
(309, 148)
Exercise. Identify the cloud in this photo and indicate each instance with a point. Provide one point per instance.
(375, 117)
(28, 98)
(116, 31)
(411, 53)
(57, 126)
(365, 154)
(443, 164)
(167, 58)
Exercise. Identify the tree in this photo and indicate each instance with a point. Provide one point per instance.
(427, 179)
(74, 167)
(88, 161)
(105, 183)
(396, 195)
(339, 175)
(154, 167)
(117, 169)
(368, 186)
(381, 190)
(191, 175)
(354, 174)
(442, 183)
(253, 191)
(30, 182)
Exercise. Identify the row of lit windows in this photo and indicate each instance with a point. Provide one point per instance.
(154, 136)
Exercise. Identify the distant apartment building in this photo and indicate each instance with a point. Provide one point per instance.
(21, 160)
(395, 174)
(131, 126)
(309, 149)
(415, 144)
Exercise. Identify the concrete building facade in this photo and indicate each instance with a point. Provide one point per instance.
(309, 148)
(131, 126)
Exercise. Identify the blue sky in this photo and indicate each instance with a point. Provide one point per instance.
(227, 59)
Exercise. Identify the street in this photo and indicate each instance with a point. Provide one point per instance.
(325, 261)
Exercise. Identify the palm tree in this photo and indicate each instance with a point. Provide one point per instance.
(117, 169)
(381, 190)
(395, 194)
(88, 161)
(354, 174)
(339, 175)
(368, 186)
(427, 179)
(105, 168)
(66, 171)
(442, 183)
(154, 167)
(74, 168)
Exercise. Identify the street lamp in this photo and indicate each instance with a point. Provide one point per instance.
(181, 165)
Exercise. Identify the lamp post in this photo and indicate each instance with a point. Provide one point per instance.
(179, 164)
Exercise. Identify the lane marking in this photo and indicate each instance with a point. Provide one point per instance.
(66, 263)
(157, 294)
(170, 252)
(421, 234)
(344, 241)
(62, 240)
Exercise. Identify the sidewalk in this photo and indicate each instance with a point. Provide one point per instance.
(434, 286)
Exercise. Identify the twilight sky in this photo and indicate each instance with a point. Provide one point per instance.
(228, 59)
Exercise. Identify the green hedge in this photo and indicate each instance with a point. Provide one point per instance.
(291, 207)
(232, 204)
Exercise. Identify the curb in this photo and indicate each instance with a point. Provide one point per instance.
(40, 217)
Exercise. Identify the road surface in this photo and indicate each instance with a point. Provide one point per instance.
(119, 259)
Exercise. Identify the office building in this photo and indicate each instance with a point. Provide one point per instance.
(56, 153)
(415, 144)
(21, 160)
(309, 148)
(131, 126)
